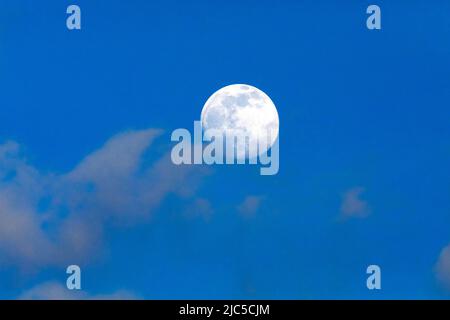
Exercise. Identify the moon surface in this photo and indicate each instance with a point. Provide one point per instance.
(242, 109)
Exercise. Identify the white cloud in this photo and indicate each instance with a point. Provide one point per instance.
(21, 187)
(352, 204)
(442, 267)
(55, 219)
(250, 205)
(56, 291)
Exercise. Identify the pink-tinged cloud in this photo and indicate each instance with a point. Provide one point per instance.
(353, 205)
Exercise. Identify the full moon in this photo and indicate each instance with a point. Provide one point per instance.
(241, 108)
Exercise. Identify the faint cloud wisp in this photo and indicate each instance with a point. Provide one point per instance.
(55, 291)
(352, 205)
(442, 268)
(250, 206)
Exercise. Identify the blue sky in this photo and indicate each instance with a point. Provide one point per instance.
(364, 150)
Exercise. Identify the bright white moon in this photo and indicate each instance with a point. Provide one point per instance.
(242, 108)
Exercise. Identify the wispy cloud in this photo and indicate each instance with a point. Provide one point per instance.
(53, 219)
(353, 205)
(250, 205)
(200, 207)
(56, 291)
(442, 268)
